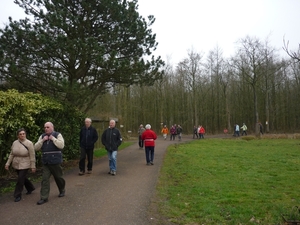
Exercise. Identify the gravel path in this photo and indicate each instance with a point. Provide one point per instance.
(98, 198)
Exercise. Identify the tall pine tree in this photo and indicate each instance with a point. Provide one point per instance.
(75, 50)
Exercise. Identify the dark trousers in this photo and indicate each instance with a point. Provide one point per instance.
(22, 180)
(244, 132)
(172, 137)
(141, 142)
(201, 135)
(86, 153)
(149, 150)
(57, 173)
(195, 134)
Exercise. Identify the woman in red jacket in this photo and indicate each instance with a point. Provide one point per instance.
(201, 132)
(149, 137)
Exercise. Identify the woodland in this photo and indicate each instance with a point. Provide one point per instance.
(98, 56)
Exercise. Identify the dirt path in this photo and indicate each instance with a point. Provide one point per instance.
(98, 198)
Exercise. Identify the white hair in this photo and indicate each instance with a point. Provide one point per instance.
(88, 119)
(148, 127)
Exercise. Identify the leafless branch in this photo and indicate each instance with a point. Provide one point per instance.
(293, 54)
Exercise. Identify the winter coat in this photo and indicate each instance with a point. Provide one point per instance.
(88, 137)
(20, 157)
(165, 130)
(149, 137)
(201, 130)
(111, 139)
(173, 130)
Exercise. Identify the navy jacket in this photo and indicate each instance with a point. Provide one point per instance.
(88, 137)
(111, 139)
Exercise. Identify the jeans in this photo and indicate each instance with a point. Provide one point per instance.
(201, 135)
(149, 150)
(22, 180)
(57, 173)
(179, 137)
(89, 154)
(112, 157)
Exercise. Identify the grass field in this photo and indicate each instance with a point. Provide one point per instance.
(226, 181)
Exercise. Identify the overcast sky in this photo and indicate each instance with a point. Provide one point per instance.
(203, 24)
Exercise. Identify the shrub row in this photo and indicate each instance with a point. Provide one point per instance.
(30, 111)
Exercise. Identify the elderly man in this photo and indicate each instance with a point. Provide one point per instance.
(51, 143)
(88, 137)
(111, 139)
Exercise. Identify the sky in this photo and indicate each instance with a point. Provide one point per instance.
(202, 25)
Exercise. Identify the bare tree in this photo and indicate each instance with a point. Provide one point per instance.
(249, 62)
(293, 54)
(216, 68)
(190, 68)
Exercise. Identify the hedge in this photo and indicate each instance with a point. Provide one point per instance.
(30, 111)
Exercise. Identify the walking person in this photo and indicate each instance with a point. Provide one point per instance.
(22, 157)
(260, 128)
(87, 138)
(149, 137)
(51, 143)
(244, 128)
(173, 132)
(195, 132)
(111, 139)
(179, 132)
(237, 130)
(165, 132)
(201, 132)
(234, 130)
(140, 132)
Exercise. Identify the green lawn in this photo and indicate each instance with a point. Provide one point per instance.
(225, 181)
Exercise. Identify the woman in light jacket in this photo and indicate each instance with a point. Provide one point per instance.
(22, 157)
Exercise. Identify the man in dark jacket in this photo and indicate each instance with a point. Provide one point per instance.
(111, 139)
(88, 138)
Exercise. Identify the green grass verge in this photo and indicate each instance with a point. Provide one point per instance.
(99, 152)
(220, 181)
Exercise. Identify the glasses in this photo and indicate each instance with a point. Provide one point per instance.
(21, 133)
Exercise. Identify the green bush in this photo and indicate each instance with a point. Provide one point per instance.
(31, 111)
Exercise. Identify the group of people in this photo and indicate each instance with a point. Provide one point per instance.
(174, 131)
(51, 143)
(111, 139)
(198, 132)
(22, 157)
(236, 130)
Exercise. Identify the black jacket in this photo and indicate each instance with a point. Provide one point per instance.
(111, 139)
(88, 137)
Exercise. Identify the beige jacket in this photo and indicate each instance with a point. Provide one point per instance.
(20, 157)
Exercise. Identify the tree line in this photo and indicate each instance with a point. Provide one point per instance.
(97, 56)
(254, 86)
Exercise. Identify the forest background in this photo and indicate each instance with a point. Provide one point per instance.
(97, 57)
(255, 85)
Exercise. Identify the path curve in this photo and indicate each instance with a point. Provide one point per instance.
(98, 198)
